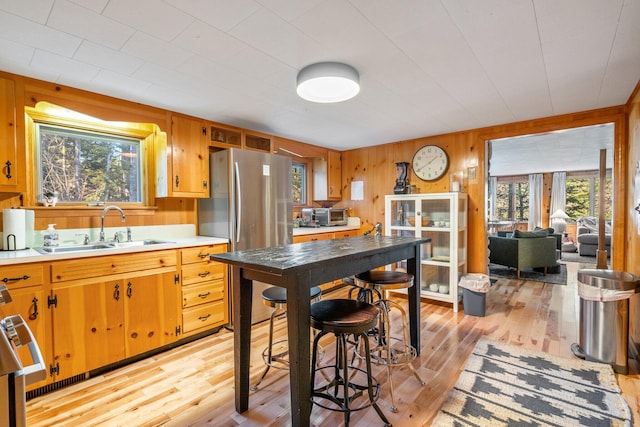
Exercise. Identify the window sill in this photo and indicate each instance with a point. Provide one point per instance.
(83, 210)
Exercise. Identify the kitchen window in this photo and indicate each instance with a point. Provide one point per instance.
(299, 183)
(85, 166)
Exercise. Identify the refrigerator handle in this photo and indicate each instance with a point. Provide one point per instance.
(238, 202)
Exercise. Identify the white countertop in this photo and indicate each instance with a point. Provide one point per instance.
(31, 255)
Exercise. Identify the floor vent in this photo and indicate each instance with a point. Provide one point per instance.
(55, 386)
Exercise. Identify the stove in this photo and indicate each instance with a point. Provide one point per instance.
(14, 376)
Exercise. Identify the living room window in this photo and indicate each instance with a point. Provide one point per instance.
(583, 189)
(512, 198)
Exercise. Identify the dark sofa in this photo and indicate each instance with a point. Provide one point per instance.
(534, 249)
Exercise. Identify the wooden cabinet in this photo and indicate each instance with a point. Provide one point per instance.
(224, 136)
(325, 236)
(187, 171)
(88, 327)
(346, 233)
(443, 218)
(25, 285)
(327, 177)
(204, 289)
(111, 308)
(313, 237)
(257, 142)
(12, 153)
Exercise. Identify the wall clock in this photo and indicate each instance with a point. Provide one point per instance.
(430, 163)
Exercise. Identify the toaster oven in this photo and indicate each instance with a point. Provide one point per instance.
(326, 217)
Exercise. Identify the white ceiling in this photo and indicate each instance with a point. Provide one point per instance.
(570, 150)
(426, 67)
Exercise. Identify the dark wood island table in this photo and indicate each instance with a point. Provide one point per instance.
(298, 267)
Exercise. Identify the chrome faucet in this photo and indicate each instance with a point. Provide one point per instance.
(104, 212)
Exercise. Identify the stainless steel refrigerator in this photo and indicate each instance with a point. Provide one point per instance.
(250, 205)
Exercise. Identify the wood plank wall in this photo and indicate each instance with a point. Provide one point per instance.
(376, 167)
(373, 165)
(633, 186)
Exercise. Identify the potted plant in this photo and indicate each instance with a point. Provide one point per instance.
(50, 198)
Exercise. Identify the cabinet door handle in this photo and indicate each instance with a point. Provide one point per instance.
(34, 314)
(15, 279)
(129, 289)
(116, 292)
(205, 274)
(203, 318)
(177, 181)
(8, 165)
(206, 294)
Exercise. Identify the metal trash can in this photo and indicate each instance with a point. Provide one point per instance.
(604, 316)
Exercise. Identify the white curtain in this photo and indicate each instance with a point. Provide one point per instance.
(535, 200)
(493, 196)
(558, 192)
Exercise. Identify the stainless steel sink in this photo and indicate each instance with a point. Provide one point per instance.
(97, 246)
(138, 243)
(74, 248)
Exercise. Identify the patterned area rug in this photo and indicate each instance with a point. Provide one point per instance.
(496, 270)
(503, 385)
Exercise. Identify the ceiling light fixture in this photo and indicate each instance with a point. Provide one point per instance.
(327, 82)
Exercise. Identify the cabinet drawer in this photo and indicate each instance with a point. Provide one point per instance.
(203, 316)
(201, 253)
(101, 266)
(20, 276)
(348, 233)
(197, 273)
(202, 293)
(313, 237)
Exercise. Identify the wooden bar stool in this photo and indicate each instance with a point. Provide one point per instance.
(373, 286)
(343, 385)
(276, 297)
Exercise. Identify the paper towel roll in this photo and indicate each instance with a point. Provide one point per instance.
(14, 230)
(30, 229)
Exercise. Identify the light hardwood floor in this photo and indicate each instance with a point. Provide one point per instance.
(193, 385)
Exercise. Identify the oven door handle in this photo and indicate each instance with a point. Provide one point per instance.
(37, 371)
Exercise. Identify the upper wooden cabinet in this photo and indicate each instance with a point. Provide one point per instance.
(257, 142)
(12, 153)
(224, 136)
(187, 171)
(327, 177)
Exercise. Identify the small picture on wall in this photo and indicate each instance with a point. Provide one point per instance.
(472, 172)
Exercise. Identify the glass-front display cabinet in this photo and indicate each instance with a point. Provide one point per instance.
(443, 218)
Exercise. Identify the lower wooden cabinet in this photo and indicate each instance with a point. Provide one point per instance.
(111, 308)
(205, 303)
(88, 313)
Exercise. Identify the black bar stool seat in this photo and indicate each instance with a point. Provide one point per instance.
(344, 384)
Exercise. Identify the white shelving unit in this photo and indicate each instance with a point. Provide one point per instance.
(443, 218)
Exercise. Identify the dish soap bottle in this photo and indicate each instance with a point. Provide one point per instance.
(51, 237)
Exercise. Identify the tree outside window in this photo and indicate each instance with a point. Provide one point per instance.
(84, 166)
(512, 201)
(299, 183)
(583, 196)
